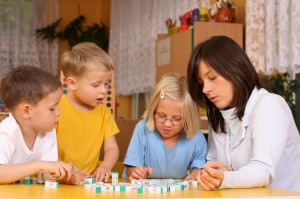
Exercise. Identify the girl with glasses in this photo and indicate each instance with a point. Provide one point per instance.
(167, 142)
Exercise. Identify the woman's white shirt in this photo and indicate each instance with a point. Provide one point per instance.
(266, 151)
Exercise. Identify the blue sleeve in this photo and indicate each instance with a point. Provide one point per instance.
(199, 156)
(136, 150)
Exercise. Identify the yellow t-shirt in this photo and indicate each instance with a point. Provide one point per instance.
(80, 134)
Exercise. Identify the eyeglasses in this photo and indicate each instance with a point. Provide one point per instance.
(162, 119)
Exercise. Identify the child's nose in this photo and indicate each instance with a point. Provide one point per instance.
(103, 89)
(168, 122)
(58, 112)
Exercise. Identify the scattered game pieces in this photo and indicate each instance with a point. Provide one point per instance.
(51, 183)
(138, 186)
(115, 178)
(40, 178)
(142, 186)
(28, 180)
(89, 179)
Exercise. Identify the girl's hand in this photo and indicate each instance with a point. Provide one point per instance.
(139, 172)
(193, 174)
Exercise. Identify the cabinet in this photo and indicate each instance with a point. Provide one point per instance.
(173, 51)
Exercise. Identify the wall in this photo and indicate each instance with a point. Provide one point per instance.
(95, 11)
(124, 110)
(298, 102)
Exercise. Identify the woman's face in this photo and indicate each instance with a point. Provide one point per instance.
(218, 90)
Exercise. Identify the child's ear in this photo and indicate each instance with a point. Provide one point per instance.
(25, 110)
(71, 81)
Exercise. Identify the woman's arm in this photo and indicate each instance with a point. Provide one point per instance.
(268, 127)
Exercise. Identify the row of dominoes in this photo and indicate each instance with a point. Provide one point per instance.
(192, 183)
(141, 186)
(94, 187)
(89, 180)
(114, 178)
(29, 180)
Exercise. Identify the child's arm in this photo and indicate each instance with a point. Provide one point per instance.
(111, 155)
(137, 173)
(12, 172)
(199, 155)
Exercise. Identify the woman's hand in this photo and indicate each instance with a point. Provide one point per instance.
(212, 175)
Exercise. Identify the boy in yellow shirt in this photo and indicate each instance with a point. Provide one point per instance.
(85, 123)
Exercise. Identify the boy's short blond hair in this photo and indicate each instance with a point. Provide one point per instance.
(85, 57)
(174, 87)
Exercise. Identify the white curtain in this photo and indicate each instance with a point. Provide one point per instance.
(18, 43)
(134, 27)
(273, 35)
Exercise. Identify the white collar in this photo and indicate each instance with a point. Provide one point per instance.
(252, 101)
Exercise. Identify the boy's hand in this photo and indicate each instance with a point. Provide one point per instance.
(77, 177)
(102, 174)
(140, 172)
(58, 170)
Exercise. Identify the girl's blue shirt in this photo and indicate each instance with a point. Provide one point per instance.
(147, 149)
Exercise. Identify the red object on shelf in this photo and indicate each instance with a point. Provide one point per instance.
(224, 15)
(184, 27)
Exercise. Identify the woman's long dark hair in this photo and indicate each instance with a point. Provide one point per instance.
(228, 59)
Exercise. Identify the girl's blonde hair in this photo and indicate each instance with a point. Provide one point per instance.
(84, 57)
(173, 86)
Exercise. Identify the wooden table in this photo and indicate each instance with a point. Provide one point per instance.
(22, 191)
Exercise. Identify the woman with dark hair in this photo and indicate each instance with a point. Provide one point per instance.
(253, 139)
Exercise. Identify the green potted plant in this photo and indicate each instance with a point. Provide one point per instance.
(282, 84)
(76, 32)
